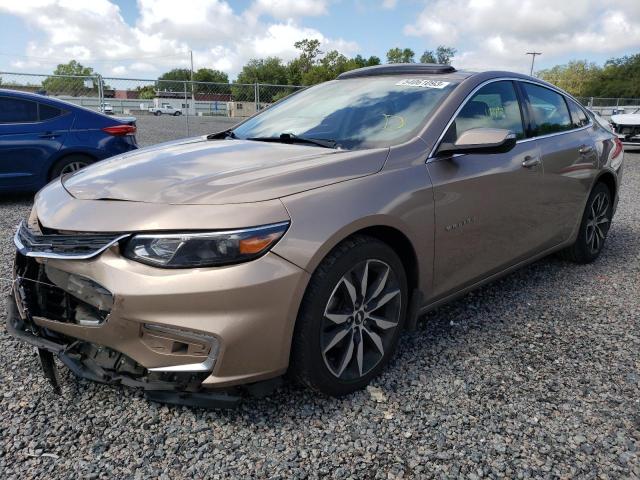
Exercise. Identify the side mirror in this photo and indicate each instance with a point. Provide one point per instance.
(481, 140)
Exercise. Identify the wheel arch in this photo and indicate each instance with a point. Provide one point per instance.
(609, 179)
(400, 244)
(66, 154)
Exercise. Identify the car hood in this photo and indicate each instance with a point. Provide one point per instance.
(201, 171)
(626, 119)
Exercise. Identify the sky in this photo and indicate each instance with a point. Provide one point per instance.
(143, 38)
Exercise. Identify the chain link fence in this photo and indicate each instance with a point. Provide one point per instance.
(164, 109)
(171, 109)
(610, 106)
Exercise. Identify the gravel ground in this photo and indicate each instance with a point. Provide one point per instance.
(152, 129)
(535, 376)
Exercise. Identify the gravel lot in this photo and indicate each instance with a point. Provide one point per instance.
(152, 129)
(535, 376)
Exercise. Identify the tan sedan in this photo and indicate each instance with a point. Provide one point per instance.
(307, 238)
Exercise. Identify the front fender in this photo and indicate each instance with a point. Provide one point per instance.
(321, 218)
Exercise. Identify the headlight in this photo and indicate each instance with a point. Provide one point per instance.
(206, 249)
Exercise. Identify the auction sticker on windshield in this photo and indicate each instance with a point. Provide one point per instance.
(419, 82)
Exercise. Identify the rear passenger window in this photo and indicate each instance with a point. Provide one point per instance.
(549, 110)
(15, 110)
(578, 116)
(47, 112)
(493, 106)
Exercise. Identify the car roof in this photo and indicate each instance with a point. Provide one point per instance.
(407, 69)
(37, 97)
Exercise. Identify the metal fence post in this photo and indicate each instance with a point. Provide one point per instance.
(255, 95)
(100, 93)
(186, 102)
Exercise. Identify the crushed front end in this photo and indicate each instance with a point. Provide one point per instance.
(114, 321)
(628, 131)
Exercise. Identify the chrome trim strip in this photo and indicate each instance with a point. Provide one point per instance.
(212, 232)
(513, 79)
(205, 366)
(59, 256)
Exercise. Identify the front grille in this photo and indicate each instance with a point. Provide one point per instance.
(79, 246)
(44, 298)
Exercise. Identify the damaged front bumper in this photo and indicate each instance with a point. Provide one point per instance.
(104, 365)
(628, 134)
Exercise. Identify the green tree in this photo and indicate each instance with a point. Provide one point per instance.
(310, 51)
(173, 80)
(428, 57)
(269, 70)
(578, 77)
(442, 55)
(71, 85)
(620, 77)
(210, 75)
(398, 55)
(147, 92)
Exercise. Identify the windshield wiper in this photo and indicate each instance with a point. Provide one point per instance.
(293, 138)
(223, 134)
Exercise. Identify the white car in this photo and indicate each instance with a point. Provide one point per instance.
(107, 108)
(601, 120)
(165, 109)
(627, 127)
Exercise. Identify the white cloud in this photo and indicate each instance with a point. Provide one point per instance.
(389, 4)
(496, 34)
(284, 9)
(96, 34)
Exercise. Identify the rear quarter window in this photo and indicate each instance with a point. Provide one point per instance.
(47, 112)
(578, 115)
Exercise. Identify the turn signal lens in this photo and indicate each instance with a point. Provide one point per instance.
(253, 245)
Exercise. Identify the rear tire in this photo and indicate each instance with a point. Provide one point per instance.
(596, 221)
(351, 317)
(157, 113)
(69, 164)
(177, 114)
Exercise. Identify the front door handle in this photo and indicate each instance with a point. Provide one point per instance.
(584, 149)
(529, 162)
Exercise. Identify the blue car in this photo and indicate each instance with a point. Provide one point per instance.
(42, 138)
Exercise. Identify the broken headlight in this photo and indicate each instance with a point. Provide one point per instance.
(203, 249)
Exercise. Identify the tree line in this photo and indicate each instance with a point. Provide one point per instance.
(311, 66)
(617, 78)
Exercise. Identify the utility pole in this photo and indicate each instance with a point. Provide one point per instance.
(533, 59)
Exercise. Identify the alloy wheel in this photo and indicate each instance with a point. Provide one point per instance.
(597, 222)
(360, 319)
(72, 167)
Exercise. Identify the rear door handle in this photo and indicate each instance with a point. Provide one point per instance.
(584, 149)
(529, 162)
(49, 135)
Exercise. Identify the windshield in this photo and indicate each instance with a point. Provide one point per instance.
(354, 113)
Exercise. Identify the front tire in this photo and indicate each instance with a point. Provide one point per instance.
(351, 317)
(596, 221)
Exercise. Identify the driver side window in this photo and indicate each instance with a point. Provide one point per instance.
(493, 106)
